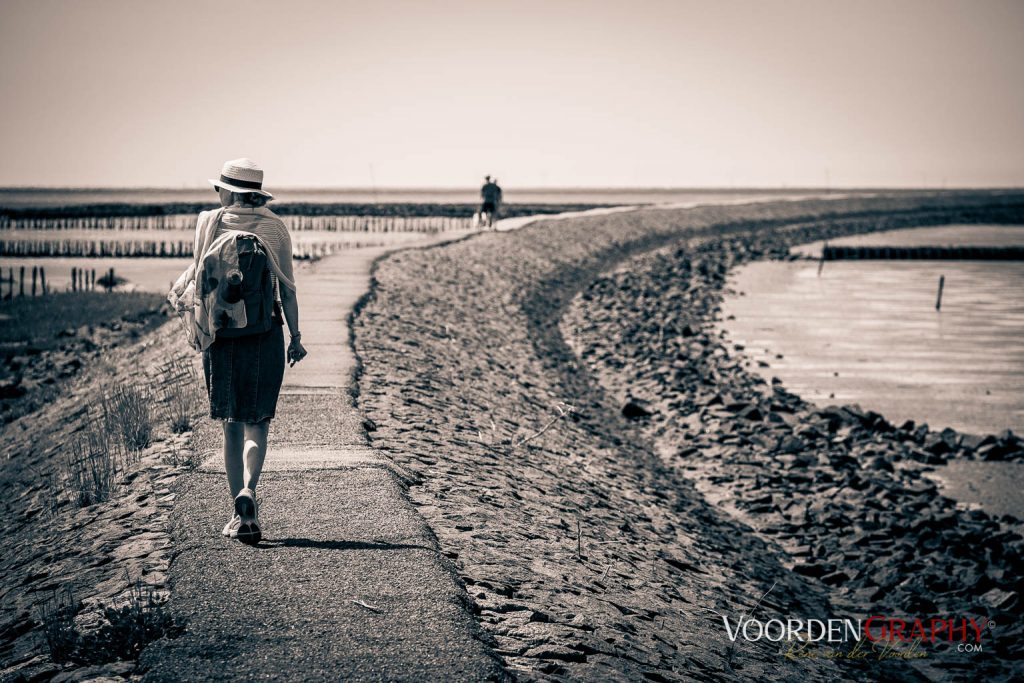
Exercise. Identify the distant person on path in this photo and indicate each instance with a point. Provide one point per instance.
(243, 369)
(490, 193)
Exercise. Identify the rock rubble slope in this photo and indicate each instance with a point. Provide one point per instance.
(839, 491)
(588, 557)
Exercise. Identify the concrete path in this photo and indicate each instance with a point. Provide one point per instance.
(348, 583)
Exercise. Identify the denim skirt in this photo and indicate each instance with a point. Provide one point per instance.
(244, 374)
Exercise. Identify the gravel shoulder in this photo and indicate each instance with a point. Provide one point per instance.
(586, 554)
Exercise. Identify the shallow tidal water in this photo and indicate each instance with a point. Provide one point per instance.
(868, 332)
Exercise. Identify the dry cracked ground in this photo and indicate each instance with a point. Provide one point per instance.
(582, 533)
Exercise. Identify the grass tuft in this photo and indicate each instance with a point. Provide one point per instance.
(122, 634)
(126, 413)
(92, 466)
(108, 445)
(58, 619)
(180, 394)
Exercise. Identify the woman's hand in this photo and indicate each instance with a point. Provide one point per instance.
(296, 351)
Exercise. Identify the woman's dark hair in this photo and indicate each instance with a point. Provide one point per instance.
(249, 199)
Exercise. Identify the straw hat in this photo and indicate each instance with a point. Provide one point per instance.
(241, 175)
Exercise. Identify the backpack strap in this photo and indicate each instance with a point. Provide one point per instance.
(204, 236)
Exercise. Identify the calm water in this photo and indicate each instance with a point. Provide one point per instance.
(20, 197)
(867, 332)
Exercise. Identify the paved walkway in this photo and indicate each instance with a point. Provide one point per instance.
(348, 583)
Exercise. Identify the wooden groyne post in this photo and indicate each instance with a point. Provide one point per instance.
(36, 288)
(938, 299)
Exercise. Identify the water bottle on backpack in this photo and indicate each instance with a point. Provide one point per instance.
(233, 292)
(246, 282)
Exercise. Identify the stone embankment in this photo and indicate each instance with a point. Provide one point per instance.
(838, 491)
(58, 553)
(587, 553)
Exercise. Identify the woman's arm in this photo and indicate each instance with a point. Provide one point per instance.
(290, 304)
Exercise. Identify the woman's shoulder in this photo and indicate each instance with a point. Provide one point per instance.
(205, 217)
(265, 212)
(273, 219)
(205, 220)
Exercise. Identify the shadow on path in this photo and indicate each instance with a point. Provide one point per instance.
(338, 545)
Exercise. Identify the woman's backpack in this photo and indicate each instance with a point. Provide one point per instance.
(227, 290)
(241, 279)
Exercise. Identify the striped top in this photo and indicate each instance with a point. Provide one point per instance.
(263, 223)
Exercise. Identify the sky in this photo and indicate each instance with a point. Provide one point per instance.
(553, 93)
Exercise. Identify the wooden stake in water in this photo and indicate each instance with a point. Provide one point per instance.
(821, 261)
(42, 279)
(938, 299)
(35, 276)
(74, 279)
(21, 281)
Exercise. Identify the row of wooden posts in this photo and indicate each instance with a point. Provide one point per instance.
(81, 280)
(96, 248)
(147, 248)
(927, 253)
(329, 223)
(38, 274)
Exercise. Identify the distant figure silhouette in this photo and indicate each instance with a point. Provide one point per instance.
(490, 193)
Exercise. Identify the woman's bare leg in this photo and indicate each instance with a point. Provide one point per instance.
(255, 451)
(233, 463)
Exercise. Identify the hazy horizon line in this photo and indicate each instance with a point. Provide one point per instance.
(515, 188)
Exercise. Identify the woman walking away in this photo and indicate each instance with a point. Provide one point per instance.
(242, 282)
